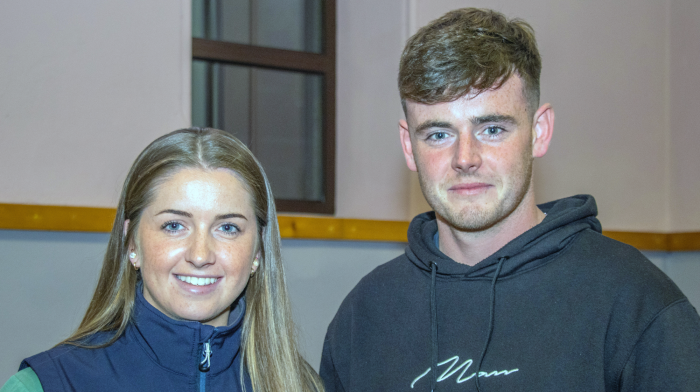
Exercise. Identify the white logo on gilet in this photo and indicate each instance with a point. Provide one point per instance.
(464, 366)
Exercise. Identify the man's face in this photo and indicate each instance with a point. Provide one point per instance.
(473, 155)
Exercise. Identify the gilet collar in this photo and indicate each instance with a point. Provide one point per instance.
(178, 345)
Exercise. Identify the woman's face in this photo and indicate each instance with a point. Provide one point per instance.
(196, 244)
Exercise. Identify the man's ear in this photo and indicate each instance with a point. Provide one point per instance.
(406, 145)
(542, 128)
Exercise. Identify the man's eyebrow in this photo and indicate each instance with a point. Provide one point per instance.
(176, 212)
(231, 215)
(432, 124)
(494, 118)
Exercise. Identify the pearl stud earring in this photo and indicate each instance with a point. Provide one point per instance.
(255, 265)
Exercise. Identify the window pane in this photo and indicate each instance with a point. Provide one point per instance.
(278, 114)
(288, 24)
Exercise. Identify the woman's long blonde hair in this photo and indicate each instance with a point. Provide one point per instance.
(270, 352)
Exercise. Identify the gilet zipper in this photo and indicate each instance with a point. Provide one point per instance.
(204, 366)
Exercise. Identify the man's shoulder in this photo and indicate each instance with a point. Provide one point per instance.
(605, 251)
(602, 247)
(630, 270)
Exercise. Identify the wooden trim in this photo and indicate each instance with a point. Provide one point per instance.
(305, 206)
(665, 242)
(643, 241)
(90, 219)
(303, 227)
(229, 52)
(679, 242)
(54, 218)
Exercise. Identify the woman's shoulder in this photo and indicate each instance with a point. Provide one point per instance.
(52, 365)
(23, 381)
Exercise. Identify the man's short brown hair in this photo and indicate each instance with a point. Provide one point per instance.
(468, 51)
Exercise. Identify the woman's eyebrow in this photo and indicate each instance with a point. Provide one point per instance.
(231, 215)
(218, 217)
(176, 212)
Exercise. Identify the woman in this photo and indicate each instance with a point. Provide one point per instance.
(192, 293)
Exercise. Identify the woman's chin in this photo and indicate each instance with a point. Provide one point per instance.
(213, 318)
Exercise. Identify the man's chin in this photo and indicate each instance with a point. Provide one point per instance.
(469, 219)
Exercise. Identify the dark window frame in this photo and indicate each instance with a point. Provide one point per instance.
(288, 60)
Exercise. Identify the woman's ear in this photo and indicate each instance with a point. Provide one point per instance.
(256, 263)
(131, 249)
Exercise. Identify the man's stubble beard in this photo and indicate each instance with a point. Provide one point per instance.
(480, 217)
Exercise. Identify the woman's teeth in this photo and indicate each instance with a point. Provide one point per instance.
(197, 281)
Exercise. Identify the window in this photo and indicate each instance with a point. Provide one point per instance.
(264, 70)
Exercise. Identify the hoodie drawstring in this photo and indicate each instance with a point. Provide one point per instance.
(433, 325)
(491, 318)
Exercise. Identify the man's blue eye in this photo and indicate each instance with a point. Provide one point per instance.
(439, 135)
(493, 131)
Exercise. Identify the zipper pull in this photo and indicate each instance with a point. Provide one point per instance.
(206, 361)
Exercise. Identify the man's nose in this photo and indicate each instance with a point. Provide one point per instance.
(467, 154)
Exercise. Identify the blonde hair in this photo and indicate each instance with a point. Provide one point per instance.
(270, 352)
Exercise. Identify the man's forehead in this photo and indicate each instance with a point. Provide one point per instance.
(507, 99)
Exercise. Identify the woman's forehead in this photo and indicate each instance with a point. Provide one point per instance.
(203, 190)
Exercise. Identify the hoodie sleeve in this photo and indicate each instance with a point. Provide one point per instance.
(667, 355)
(331, 381)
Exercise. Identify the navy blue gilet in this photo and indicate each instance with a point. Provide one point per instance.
(155, 353)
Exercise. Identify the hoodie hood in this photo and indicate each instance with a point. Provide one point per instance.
(565, 218)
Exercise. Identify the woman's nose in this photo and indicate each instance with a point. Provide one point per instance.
(200, 253)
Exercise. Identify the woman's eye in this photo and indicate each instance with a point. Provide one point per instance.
(172, 226)
(229, 228)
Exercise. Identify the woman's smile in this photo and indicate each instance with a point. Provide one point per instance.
(193, 280)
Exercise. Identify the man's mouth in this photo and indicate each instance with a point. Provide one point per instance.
(470, 187)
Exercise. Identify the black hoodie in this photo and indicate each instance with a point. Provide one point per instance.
(559, 308)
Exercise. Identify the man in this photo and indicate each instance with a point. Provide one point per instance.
(495, 293)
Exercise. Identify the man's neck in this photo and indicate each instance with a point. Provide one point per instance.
(470, 247)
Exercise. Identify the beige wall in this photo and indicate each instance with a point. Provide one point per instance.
(86, 85)
(684, 124)
(372, 181)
